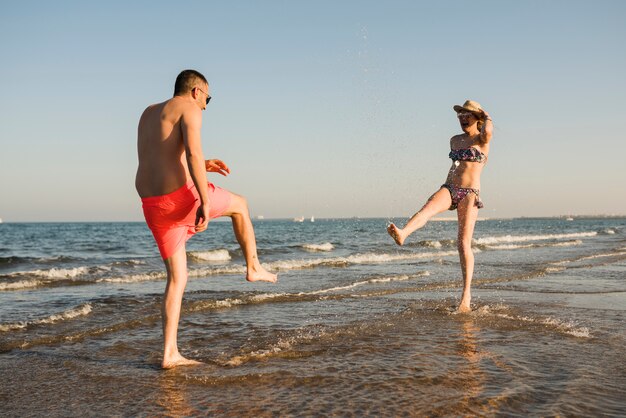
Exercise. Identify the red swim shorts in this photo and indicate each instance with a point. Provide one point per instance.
(172, 217)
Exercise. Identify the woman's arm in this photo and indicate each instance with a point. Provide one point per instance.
(487, 130)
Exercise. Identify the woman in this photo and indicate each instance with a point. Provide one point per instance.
(461, 191)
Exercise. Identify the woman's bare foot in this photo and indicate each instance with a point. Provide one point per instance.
(178, 360)
(464, 306)
(464, 309)
(396, 234)
(259, 274)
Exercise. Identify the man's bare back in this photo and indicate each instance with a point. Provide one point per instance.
(161, 149)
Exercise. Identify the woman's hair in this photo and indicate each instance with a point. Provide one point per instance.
(187, 80)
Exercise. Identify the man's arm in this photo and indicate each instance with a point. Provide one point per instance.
(191, 122)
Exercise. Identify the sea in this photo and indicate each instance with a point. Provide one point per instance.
(355, 326)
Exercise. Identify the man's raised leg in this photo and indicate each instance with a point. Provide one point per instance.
(176, 267)
(244, 232)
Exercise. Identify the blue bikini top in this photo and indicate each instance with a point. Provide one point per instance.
(467, 154)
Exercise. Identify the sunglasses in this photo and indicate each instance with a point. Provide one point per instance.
(208, 98)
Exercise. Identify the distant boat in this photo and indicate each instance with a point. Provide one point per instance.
(312, 219)
(569, 218)
(300, 219)
(260, 217)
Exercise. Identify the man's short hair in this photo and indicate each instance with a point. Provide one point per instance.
(187, 80)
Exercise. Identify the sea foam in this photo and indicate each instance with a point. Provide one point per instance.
(365, 258)
(566, 327)
(386, 279)
(526, 238)
(134, 278)
(22, 284)
(53, 273)
(521, 246)
(212, 255)
(80, 310)
(327, 246)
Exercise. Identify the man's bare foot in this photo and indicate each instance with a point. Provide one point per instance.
(178, 360)
(396, 234)
(259, 274)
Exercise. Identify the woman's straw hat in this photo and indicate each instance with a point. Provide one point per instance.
(469, 106)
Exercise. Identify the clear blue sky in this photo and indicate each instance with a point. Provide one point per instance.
(325, 108)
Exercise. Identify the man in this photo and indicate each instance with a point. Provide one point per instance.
(177, 200)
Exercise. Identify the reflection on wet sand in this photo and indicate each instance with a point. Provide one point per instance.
(173, 395)
(472, 376)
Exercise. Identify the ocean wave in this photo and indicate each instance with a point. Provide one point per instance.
(617, 252)
(526, 238)
(269, 296)
(284, 296)
(281, 348)
(520, 246)
(566, 327)
(53, 273)
(302, 264)
(554, 269)
(254, 355)
(436, 244)
(38, 260)
(281, 265)
(290, 344)
(327, 246)
(431, 244)
(13, 260)
(57, 259)
(366, 258)
(373, 258)
(159, 275)
(613, 254)
(81, 310)
(129, 263)
(385, 279)
(134, 278)
(211, 255)
(565, 244)
(60, 276)
(215, 271)
(214, 304)
(21, 284)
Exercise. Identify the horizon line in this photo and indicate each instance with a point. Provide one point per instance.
(448, 218)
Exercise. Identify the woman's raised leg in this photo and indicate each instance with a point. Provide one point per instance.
(439, 202)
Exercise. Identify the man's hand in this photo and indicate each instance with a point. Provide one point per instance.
(202, 217)
(217, 166)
